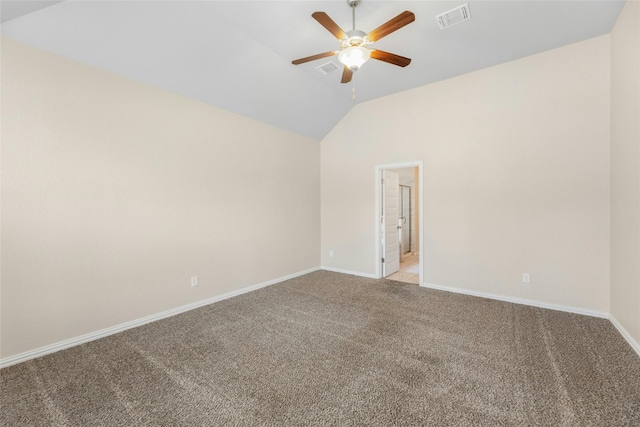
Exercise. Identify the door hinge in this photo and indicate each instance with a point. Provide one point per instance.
(382, 259)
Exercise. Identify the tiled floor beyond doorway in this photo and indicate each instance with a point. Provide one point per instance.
(409, 270)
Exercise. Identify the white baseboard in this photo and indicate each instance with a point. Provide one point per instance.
(32, 354)
(523, 301)
(627, 336)
(352, 273)
(52, 348)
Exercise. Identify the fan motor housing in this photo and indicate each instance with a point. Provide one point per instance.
(355, 38)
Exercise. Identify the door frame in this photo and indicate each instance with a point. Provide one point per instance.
(378, 218)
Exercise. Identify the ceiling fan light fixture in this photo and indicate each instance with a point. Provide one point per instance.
(353, 44)
(353, 57)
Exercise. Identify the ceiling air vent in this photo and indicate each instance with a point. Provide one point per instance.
(454, 16)
(327, 68)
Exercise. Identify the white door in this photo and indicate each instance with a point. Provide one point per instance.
(390, 216)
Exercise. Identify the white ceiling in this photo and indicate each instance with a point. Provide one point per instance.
(237, 54)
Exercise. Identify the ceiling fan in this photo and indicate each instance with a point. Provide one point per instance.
(354, 51)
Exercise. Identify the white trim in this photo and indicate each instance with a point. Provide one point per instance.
(627, 336)
(523, 301)
(420, 165)
(52, 348)
(352, 273)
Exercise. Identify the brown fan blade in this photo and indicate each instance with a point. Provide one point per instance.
(313, 57)
(391, 58)
(392, 25)
(346, 75)
(329, 24)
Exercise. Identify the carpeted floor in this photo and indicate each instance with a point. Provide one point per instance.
(333, 349)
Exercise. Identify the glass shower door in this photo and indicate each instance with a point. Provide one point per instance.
(405, 220)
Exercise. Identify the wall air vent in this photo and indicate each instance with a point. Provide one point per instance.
(328, 68)
(453, 16)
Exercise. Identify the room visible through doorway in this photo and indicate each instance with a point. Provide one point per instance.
(398, 213)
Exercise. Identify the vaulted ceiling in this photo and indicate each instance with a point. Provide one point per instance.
(237, 55)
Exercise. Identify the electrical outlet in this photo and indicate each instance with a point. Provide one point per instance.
(194, 281)
(330, 254)
(526, 278)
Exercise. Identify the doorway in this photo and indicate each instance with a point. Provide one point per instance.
(399, 222)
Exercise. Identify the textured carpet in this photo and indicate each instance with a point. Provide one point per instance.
(333, 349)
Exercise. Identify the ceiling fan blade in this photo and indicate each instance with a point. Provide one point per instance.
(391, 25)
(346, 75)
(313, 57)
(329, 24)
(391, 58)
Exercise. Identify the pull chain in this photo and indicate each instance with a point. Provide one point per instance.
(353, 91)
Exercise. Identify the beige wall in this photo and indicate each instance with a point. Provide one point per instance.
(516, 177)
(114, 194)
(625, 170)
